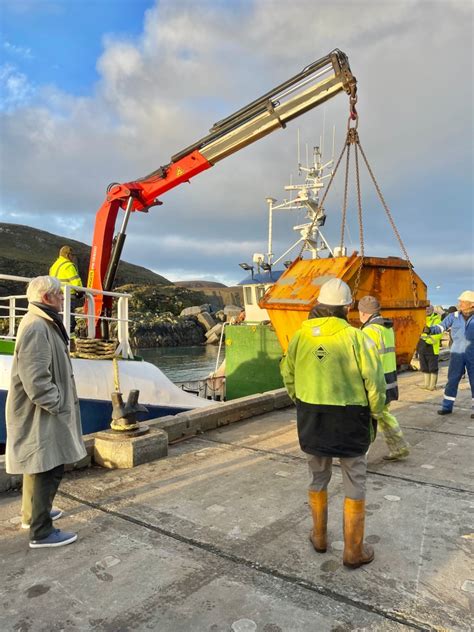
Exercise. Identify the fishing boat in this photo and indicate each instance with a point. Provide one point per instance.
(97, 379)
(285, 297)
(253, 352)
(304, 200)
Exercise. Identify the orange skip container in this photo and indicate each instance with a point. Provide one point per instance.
(389, 279)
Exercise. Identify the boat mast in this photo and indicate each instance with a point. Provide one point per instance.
(307, 197)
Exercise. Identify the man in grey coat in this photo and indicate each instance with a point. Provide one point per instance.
(42, 412)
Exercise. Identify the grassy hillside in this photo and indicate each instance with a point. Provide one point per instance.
(29, 252)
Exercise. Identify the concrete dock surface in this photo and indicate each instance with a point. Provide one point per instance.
(214, 538)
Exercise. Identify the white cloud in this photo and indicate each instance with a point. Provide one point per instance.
(197, 62)
(18, 51)
(15, 89)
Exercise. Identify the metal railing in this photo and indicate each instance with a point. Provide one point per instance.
(14, 313)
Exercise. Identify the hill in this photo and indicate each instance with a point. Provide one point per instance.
(191, 285)
(217, 294)
(29, 252)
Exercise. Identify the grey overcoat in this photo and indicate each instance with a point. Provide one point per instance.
(42, 409)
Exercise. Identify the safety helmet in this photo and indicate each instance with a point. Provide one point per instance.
(468, 296)
(335, 292)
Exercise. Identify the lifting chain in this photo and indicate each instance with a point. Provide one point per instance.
(352, 138)
(355, 136)
(414, 285)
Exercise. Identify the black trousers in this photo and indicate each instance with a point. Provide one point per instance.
(39, 491)
(428, 359)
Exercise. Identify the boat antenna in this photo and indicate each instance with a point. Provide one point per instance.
(299, 150)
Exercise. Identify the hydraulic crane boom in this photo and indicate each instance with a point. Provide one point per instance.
(314, 85)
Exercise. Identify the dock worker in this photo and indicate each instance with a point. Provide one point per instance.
(380, 330)
(428, 351)
(65, 269)
(332, 371)
(461, 326)
(42, 412)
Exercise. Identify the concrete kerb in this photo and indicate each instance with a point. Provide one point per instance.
(14, 481)
(190, 423)
(8, 481)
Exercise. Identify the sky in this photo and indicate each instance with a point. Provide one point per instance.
(100, 91)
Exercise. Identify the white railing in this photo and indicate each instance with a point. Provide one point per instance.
(14, 313)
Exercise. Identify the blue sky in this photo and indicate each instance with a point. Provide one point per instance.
(59, 42)
(108, 90)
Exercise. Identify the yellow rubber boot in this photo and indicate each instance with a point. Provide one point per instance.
(318, 501)
(356, 552)
(426, 381)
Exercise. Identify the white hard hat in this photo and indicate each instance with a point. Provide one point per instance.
(468, 295)
(335, 292)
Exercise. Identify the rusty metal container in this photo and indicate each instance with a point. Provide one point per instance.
(292, 297)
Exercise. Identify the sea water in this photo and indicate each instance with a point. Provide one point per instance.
(184, 364)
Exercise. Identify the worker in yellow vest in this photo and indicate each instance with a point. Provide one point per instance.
(380, 331)
(333, 373)
(428, 351)
(66, 271)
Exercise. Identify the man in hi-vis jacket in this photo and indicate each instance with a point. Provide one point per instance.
(333, 373)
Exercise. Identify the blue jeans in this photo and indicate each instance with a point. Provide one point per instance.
(458, 364)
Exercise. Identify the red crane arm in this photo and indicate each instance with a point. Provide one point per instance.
(143, 193)
(314, 85)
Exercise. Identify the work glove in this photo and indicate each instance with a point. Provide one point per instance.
(426, 330)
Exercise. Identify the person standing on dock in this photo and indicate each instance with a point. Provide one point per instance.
(42, 412)
(333, 373)
(380, 331)
(461, 326)
(428, 351)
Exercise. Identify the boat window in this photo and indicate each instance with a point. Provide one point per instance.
(260, 291)
(248, 296)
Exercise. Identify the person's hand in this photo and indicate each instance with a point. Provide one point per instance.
(426, 330)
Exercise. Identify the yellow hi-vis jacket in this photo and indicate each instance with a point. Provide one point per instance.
(65, 270)
(433, 339)
(380, 330)
(334, 374)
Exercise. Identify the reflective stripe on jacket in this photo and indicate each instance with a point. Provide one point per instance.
(380, 331)
(65, 270)
(433, 339)
(333, 373)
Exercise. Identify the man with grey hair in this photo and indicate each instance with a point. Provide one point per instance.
(42, 412)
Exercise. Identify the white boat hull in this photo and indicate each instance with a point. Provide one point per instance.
(95, 383)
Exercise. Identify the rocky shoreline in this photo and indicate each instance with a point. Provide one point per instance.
(196, 325)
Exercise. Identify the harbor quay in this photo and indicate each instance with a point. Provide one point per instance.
(214, 537)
